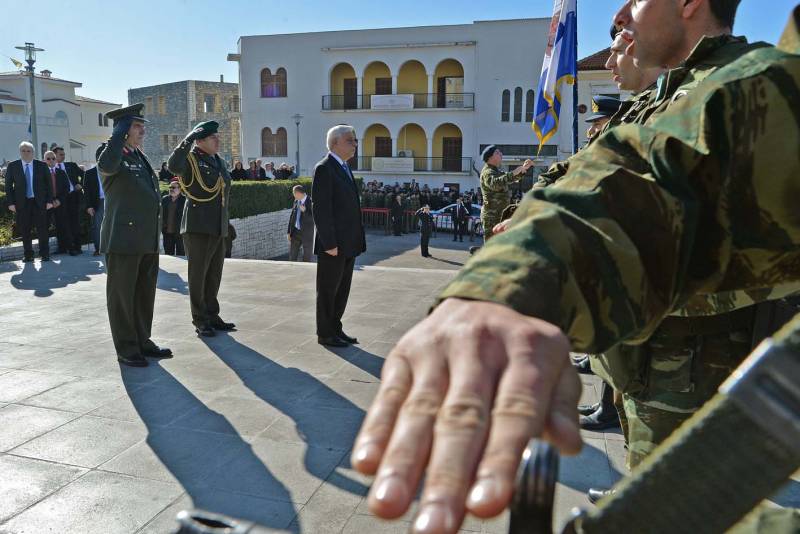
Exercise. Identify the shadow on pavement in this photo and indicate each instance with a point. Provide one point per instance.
(50, 275)
(172, 282)
(195, 458)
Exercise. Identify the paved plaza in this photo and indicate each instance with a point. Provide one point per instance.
(256, 424)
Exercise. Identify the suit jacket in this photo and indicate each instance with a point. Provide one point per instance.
(74, 172)
(133, 202)
(62, 186)
(91, 188)
(459, 213)
(165, 201)
(16, 184)
(337, 210)
(306, 219)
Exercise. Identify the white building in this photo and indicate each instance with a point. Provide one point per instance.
(63, 118)
(424, 100)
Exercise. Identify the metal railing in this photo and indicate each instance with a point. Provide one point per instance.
(400, 102)
(403, 165)
(381, 218)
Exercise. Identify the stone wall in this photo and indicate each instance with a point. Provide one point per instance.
(261, 237)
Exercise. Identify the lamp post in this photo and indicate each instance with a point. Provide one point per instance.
(297, 117)
(30, 59)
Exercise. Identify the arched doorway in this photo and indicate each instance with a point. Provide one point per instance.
(344, 87)
(448, 148)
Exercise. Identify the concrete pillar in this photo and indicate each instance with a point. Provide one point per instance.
(431, 98)
(394, 146)
(429, 163)
(359, 92)
(394, 84)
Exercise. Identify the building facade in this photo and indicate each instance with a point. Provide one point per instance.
(174, 108)
(63, 118)
(424, 101)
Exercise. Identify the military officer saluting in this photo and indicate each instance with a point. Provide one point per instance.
(494, 187)
(129, 237)
(206, 183)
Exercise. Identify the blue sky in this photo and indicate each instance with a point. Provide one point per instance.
(111, 47)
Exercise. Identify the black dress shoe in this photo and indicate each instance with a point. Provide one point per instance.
(137, 360)
(96, 253)
(74, 252)
(332, 342)
(345, 337)
(46, 258)
(223, 326)
(473, 250)
(205, 331)
(602, 419)
(597, 494)
(157, 352)
(27, 259)
(588, 409)
(584, 367)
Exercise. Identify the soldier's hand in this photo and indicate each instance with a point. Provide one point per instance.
(122, 127)
(90, 211)
(49, 206)
(461, 394)
(193, 135)
(12, 208)
(78, 187)
(332, 252)
(501, 227)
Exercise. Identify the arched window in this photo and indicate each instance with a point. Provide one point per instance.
(280, 82)
(529, 106)
(281, 146)
(266, 83)
(518, 104)
(99, 119)
(273, 85)
(105, 121)
(505, 113)
(273, 144)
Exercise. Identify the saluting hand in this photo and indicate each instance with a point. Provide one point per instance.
(49, 206)
(12, 208)
(90, 211)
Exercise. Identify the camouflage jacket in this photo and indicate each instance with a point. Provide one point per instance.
(494, 187)
(699, 201)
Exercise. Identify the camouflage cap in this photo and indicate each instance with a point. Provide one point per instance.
(133, 111)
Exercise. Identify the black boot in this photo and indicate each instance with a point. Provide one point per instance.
(605, 416)
(583, 366)
(595, 494)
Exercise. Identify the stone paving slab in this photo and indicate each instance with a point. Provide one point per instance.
(257, 423)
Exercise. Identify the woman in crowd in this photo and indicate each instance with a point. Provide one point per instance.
(252, 172)
(269, 170)
(238, 172)
(164, 175)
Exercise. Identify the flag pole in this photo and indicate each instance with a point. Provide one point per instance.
(575, 88)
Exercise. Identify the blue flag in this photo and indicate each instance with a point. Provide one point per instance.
(560, 67)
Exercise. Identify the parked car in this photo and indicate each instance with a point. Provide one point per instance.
(445, 222)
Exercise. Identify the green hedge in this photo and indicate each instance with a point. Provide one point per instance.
(247, 199)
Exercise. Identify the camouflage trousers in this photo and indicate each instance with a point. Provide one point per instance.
(488, 224)
(681, 373)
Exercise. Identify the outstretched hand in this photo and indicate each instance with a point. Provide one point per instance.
(461, 394)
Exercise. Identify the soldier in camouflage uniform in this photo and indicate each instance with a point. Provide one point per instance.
(691, 205)
(494, 186)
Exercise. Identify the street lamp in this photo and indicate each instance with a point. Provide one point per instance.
(297, 117)
(30, 59)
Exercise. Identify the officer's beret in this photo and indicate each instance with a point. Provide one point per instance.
(134, 111)
(487, 152)
(207, 127)
(602, 107)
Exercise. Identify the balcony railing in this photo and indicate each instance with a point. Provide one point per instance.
(411, 165)
(399, 102)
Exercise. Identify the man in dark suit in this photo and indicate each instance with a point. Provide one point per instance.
(460, 219)
(340, 234)
(171, 217)
(95, 204)
(59, 182)
(129, 237)
(301, 225)
(29, 193)
(74, 199)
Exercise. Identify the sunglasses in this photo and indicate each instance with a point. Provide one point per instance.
(50, 159)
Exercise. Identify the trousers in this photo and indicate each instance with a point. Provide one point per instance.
(130, 298)
(205, 255)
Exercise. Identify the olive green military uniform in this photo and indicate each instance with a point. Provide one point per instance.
(204, 227)
(129, 239)
(495, 191)
(704, 214)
